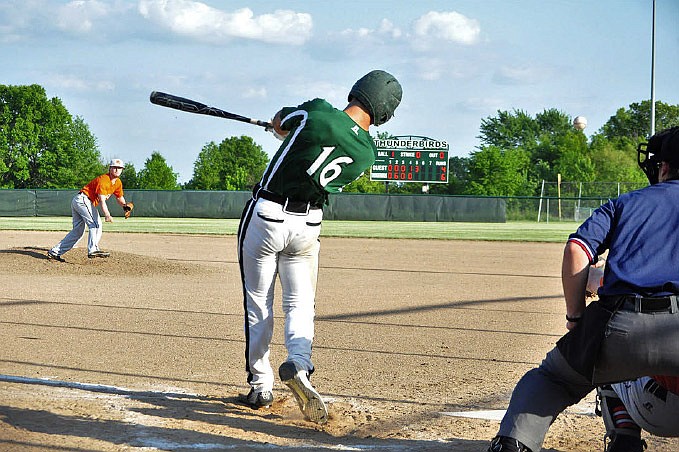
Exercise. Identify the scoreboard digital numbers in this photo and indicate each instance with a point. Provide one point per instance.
(410, 159)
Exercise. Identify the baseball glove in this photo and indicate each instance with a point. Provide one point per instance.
(127, 208)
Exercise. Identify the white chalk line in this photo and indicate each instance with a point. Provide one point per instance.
(584, 407)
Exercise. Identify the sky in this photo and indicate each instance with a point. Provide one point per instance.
(459, 62)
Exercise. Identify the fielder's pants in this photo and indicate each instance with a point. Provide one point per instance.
(84, 214)
(273, 242)
(635, 344)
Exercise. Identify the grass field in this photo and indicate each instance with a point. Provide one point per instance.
(512, 231)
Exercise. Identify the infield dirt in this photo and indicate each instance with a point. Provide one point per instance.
(144, 350)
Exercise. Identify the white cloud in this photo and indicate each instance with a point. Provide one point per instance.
(204, 23)
(309, 89)
(255, 93)
(78, 15)
(519, 75)
(27, 20)
(386, 29)
(73, 83)
(8, 35)
(483, 105)
(436, 68)
(447, 26)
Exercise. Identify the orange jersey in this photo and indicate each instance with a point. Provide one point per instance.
(102, 186)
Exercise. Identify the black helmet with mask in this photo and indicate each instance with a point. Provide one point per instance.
(661, 147)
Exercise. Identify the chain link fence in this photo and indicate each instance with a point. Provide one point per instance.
(575, 201)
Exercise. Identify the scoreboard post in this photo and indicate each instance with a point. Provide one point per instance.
(410, 159)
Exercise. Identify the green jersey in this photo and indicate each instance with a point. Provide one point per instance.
(323, 151)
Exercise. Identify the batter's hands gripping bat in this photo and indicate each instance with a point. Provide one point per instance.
(191, 106)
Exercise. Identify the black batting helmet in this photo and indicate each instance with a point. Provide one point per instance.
(380, 93)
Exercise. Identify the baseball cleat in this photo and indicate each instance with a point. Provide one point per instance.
(507, 444)
(54, 256)
(624, 443)
(308, 399)
(94, 254)
(257, 400)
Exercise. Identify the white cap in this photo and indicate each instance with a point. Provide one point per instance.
(116, 162)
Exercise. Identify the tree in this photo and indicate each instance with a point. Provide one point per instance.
(613, 149)
(497, 172)
(458, 177)
(511, 138)
(574, 163)
(634, 122)
(236, 164)
(41, 145)
(616, 161)
(364, 185)
(130, 178)
(509, 130)
(555, 136)
(81, 161)
(157, 174)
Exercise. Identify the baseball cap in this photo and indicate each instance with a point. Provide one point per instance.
(117, 163)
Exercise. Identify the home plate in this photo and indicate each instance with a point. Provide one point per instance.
(493, 415)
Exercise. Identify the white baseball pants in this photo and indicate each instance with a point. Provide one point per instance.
(84, 214)
(654, 411)
(271, 243)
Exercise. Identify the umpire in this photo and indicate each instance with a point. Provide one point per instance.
(633, 330)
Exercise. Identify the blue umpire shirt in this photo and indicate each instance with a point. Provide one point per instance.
(641, 231)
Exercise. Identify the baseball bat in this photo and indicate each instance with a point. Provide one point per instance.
(192, 106)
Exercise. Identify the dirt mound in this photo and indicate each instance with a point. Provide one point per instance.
(29, 260)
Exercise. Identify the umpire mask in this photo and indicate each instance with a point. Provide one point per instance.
(661, 147)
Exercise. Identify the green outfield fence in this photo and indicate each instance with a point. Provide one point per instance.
(229, 204)
(342, 206)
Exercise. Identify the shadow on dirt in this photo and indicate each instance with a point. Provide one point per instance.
(30, 251)
(183, 422)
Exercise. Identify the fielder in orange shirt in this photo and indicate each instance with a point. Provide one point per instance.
(85, 213)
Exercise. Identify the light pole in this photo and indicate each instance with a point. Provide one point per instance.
(653, 74)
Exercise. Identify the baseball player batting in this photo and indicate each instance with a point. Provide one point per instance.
(323, 149)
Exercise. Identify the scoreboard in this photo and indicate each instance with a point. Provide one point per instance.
(410, 159)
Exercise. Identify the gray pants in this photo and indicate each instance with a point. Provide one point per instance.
(635, 344)
(84, 214)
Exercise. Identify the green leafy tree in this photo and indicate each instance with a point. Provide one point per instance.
(458, 177)
(556, 141)
(613, 149)
(41, 145)
(575, 165)
(364, 185)
(634, 122)
(157, 174)
(129, 177)
(509, 130)
(545, 141)
(82, 159)
(237, 163)
(497, 172)
(616, 161)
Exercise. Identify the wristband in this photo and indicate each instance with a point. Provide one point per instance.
(573, 319)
